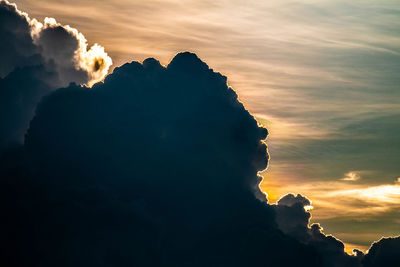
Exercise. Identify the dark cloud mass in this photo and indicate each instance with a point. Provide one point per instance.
(293, 220)
(16, 46)
(157, 166)
(37, 58)
(385, 252)
(20, 91)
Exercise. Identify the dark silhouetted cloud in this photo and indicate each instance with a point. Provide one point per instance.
(154, 167)
(293, 219)
(20, 91)
(37, 58)
(16, 48)
(157, 166)
(385, 252)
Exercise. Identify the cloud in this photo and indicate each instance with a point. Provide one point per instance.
(353, 200)
(20, 91)
(67, 49)
(161, 161)
(157, 166)
(383, 253)
(36, 59)
(60, 48)
(17, 48)
(291, 214)
(311, 68)
(293, 219)
(354, 212)
(166, 171)
(350, 200)
(351, 176)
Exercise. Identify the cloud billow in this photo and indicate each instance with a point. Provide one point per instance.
(161, 161)
(157, 166)
(293, 220)
(383, 253)
(36, 59)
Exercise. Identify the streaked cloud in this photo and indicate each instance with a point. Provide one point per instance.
(382, 198)
(349, 199)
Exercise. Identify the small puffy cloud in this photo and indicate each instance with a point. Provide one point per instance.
(351, 176)
(293, 219)
(291, 214)
(67, 49)
(290, 200)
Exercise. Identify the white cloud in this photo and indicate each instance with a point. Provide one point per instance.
(351, 176)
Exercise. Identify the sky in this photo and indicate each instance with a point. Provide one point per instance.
(322, 76)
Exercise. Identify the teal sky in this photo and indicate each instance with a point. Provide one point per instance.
(323, 76)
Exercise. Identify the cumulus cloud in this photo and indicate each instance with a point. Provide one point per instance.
(291, 214)
(67, 50)
(60, 48)
(166, 170)
(384, 252)
(157, 166)
(16, 48)
(37, 58)
(293, 219)
(20, 91)
(163, 162)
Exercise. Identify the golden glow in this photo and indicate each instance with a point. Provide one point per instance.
(95, 61)
(333, 199)
(348, 247)
(341, 200)
(308, 208)
(381, 195)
